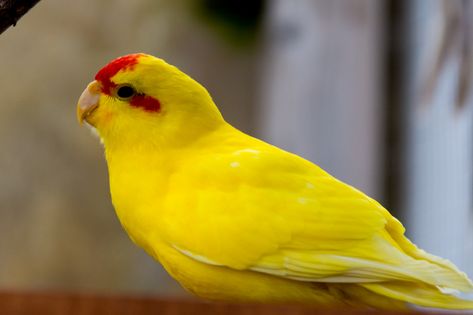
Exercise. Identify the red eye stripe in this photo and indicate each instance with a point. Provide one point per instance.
(106, 73)
(145, 102)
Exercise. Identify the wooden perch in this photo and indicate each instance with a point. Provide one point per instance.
(12, 10)
(82, 304)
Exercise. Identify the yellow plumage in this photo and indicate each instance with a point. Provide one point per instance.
(233, 218)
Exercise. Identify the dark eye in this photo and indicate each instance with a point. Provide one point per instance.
(125, 92)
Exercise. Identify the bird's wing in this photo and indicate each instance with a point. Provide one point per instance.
(273, 212)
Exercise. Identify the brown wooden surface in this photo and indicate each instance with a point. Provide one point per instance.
(14, 303)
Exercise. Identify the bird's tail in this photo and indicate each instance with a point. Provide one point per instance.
(419, 294)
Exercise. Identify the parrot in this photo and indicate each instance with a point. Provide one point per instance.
(233, 218)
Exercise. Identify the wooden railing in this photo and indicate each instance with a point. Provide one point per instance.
(14, 303)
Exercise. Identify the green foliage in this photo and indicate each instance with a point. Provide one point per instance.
(237, 21)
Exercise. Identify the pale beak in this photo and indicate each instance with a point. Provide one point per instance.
(88, 101)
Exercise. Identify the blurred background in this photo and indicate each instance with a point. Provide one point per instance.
(377, 92)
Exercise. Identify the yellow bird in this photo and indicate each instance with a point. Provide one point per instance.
(234, 218)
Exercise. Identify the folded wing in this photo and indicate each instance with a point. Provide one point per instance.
(269, 211)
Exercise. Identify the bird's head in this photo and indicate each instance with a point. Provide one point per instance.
(140, 99)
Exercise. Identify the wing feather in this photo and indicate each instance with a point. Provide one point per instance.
(270, 211)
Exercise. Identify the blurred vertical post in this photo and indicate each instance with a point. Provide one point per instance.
(322, 87)
(439, 138)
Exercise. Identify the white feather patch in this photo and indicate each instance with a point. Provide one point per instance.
(94, 131)
(197, 257)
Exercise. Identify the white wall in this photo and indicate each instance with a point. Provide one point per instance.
(439, 159)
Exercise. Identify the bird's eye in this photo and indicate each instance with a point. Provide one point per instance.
(125, 92)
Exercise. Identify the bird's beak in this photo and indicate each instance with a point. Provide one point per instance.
(88, 101)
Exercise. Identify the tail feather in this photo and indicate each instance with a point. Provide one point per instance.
(446, 274)
(419, 294)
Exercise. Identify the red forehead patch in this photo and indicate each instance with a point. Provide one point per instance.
(106, 73)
